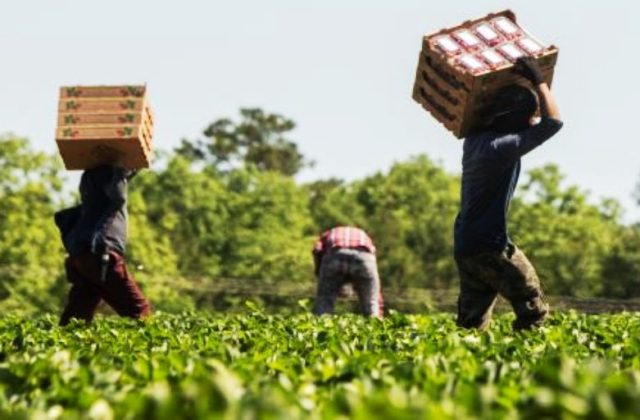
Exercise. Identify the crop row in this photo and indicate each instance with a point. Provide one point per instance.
(269, 366)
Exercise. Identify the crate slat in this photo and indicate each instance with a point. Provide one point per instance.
(100, 105)
(117, 118)
(103, 91)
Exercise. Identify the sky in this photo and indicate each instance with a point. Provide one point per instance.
(341, 69)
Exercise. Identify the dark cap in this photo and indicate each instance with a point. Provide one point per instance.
(514, 99)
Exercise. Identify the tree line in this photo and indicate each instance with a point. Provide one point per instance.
(227, 205)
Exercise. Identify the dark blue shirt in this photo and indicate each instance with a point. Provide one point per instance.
(102, 222)
(490, 171)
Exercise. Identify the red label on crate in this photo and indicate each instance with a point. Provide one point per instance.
(468, 39)
(472, 64)
(488, 34)
(493, 58)
(511, 51)
(506, 27)
(530, 46)
(447, 45)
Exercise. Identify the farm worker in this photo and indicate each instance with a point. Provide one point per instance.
(488, 262)
(94, 235)
(345, 255)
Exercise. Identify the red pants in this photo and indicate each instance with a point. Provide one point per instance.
(119, 289)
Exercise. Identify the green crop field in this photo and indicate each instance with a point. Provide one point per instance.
(256, 365)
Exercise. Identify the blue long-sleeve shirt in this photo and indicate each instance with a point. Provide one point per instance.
(102, 224)
(490, 172)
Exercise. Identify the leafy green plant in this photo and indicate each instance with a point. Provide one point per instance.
(199, 365)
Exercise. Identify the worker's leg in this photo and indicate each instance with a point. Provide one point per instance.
(367, 283)
(520, 285)
(477, 296)
(84, 295)
(121, 291)
(331, 276)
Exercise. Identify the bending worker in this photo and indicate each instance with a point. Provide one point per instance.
(346, 255)
(488, 262)
(94, 234)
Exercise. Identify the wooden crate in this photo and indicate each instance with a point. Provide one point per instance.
(94, 119)
(459, 99)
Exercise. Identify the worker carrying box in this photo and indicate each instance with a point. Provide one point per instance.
(460, 69)
(107, 131)
(96, 121)
(486, 81)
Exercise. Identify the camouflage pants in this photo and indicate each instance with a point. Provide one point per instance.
(342, 266)
(510, 274)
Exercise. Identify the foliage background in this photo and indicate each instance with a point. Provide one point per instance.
(228, 206)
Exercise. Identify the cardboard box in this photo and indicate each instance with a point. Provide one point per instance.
(102, 91)
(458, 97)
(94, 120)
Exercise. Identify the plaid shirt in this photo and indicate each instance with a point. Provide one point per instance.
(342, 237)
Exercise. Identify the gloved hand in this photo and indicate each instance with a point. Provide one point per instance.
(529, 69)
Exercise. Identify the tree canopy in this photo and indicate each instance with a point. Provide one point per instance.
(222, 209)
(258, 139)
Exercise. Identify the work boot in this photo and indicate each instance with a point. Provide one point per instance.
(531, 317)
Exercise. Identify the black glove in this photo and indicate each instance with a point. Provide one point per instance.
(529, 69)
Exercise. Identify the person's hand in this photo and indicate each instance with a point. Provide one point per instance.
(529, 69)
